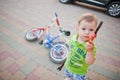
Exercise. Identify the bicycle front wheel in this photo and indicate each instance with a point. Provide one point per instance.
(58, 52)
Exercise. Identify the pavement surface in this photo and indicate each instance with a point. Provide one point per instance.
(24, 60)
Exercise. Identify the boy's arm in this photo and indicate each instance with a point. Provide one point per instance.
(90, 47)
(90, 53)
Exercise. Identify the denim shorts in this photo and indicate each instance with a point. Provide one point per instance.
(74, 76)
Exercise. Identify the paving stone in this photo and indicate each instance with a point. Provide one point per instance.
(28, 67)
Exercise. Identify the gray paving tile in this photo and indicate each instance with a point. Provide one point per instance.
(28, 68)
(16, 45)
(105, 72)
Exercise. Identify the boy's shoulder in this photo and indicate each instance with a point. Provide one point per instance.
(74, 37)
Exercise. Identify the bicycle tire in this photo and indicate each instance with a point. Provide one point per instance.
(58, 58)
(32, 35)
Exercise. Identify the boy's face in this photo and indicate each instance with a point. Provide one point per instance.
(86, 30)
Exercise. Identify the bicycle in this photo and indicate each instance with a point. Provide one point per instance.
(59, 49)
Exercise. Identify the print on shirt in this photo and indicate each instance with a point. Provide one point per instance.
(77, 57)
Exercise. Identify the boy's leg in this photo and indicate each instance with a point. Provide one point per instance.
(68, 79)
(69, 75)
(78, 77)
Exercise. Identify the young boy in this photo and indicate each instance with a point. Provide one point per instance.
(82, 50)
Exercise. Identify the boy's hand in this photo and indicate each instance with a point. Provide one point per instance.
(90, 46)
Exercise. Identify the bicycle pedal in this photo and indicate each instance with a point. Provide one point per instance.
(41, 42)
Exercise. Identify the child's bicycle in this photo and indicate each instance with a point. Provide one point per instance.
(58, 49)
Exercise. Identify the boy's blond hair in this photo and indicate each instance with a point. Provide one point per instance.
(89, 17)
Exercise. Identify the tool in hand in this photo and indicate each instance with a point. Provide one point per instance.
(95, 34)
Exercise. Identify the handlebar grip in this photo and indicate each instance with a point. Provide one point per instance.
(56, 14)
(57, 21)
